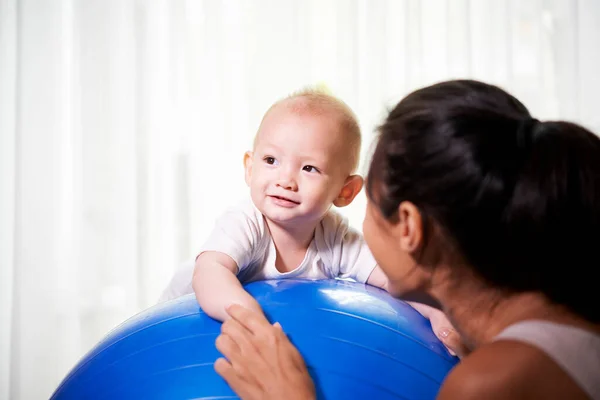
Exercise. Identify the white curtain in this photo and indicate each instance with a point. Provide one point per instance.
(123, 124)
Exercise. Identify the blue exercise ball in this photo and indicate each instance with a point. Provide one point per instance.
(358, 343)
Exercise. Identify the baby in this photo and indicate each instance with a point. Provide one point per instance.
(304, 160)
(305, 154)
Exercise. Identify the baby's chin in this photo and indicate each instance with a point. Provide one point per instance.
(283, 216)
(293, 218)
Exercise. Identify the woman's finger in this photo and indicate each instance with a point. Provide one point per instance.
(246, 365)
(255, 336)
(249, 319)
(245, 351)
(239, 335)
(246, 390)
(228, 348)
(224, 368)
(274, 372)
(452, 341)
(281, 343)
(447, 336)
(442, 328)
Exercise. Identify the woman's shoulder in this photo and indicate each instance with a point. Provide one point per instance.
(509, 369)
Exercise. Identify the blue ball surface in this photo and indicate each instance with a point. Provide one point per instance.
(358, 343)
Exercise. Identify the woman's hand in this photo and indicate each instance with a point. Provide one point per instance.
(260, 362)
(442, 328)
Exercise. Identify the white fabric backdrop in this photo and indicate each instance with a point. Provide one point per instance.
(123, 124)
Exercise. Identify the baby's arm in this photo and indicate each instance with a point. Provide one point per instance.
(440, 324)
(216, 286)
(378, 278)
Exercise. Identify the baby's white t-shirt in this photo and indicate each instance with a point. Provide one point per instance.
(336, 251)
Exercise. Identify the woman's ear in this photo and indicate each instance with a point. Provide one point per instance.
(248, 167)
(351, 188)
(409, 229)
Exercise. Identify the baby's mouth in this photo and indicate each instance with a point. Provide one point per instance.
(285, 199)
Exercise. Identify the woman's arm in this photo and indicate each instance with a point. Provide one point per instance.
(260, 362)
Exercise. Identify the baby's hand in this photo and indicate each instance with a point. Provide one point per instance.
(442, 328)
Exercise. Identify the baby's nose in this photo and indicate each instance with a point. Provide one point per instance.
(287, 181)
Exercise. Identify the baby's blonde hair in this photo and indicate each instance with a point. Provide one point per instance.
(318, 100)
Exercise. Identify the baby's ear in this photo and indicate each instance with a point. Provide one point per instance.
(352, 187)
(247, 167)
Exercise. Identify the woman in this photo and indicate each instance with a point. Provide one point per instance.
(494, 214)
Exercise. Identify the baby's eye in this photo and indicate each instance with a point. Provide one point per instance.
(270, 160)
(310, 168)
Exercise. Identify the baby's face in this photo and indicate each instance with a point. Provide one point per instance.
(299, 165)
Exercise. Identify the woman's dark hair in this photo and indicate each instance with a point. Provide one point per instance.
(519, 198)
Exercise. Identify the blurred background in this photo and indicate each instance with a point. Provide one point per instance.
(123, 124)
